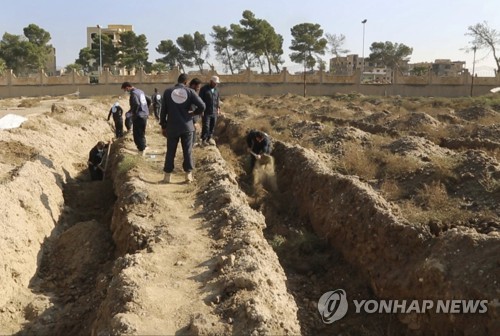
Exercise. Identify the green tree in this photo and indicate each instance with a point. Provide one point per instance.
(15, 51)
(133, 50)
(2, 65)
(420, 70)
(485, 37)
(307, 43)
(187, 50)
(201, 49)
(172, 54)
(243, 55)
(222, 45)
(260, 39)
(392, 55)
(86, 59)
(74, 67)
(38, 48)
(159, 67)
(110, 53)
(28, 53)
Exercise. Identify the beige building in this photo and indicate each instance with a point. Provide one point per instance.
(113, 31)
(50, 64)
(445, 67)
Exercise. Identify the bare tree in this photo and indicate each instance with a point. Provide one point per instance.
(485, 37)
(335, 45)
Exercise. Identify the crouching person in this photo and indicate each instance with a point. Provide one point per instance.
(259, 145)
(96, 157)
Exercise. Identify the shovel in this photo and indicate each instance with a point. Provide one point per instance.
(264, 158)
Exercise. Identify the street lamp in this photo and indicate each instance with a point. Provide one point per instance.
(100, 50)
(473, 70)
(363, 51)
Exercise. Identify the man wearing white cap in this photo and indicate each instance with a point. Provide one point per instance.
(210, 96)
(117, 112)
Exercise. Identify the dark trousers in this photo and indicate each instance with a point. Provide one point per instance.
(157, 109)
(128, 123)
(187, 151)
(139, 132)
(118, 127)
(208, 126)
(95, 173)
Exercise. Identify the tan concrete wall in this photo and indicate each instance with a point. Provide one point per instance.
(246, 83)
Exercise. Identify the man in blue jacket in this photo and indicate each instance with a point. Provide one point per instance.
(210, 96)
(140, 112)
(176, 120)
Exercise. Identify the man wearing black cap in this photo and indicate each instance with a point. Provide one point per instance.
(140, 112)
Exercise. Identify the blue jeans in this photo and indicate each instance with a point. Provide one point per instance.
(208, 126)
(187, 151)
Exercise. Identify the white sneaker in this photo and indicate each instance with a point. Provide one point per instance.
(189, 177)
(167, 178)
(211, 142)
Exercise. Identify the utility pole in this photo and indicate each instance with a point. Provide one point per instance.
(363, 52)
(100, 50)
(473, 70)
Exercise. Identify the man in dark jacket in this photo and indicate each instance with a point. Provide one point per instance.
(195, 84)
(210, 96)
(176, 120)
(117, 112)
(139, 112)
(258, 144)
(156, 99)
(96, 156)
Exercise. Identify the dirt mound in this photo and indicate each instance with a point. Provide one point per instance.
(415, 121)
(476, 112)
(417, 147)
(351, 134)
(377, 117)
(396, 255)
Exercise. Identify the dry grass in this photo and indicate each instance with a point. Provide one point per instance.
(433, 196)
(444, 167)
(489, 183)
(356, 162)
(29, 102)
(392, 165)
(391, 190)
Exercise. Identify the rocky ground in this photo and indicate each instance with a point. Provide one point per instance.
(386, 198)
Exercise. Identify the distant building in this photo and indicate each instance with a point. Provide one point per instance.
(348, 65)
(345, 65)
(113, 31)
(50, 64)
(445, 67)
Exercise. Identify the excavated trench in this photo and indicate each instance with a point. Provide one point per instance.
(334, 232)
(75, 262)
(329, 231)
(312, 265)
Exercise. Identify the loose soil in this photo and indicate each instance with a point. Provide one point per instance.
(386, 198)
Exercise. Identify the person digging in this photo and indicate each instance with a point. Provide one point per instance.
(259, 147)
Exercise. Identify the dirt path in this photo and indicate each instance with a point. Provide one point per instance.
(171, 280)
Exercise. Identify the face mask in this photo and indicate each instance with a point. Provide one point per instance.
(100, 150)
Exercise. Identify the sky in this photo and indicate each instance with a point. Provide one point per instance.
(434, 29)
